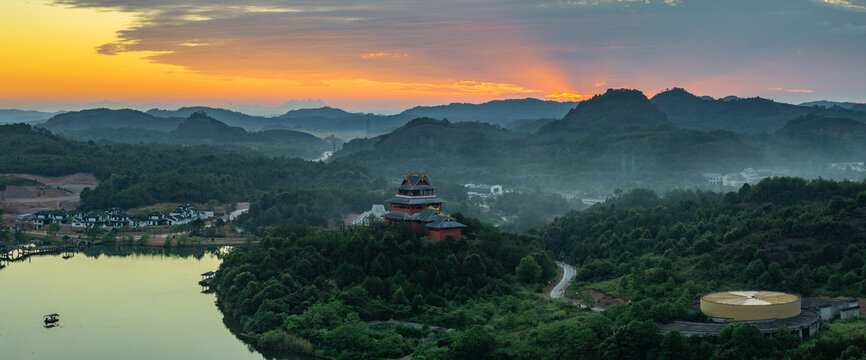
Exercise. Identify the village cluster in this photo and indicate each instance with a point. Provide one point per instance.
(746, 176)
(115, 218)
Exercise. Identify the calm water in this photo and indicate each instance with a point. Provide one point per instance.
(140, 306)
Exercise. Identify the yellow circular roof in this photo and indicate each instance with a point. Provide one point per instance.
(750, 298)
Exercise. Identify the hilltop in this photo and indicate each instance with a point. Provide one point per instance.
(110, 119)
(749, 115)
(497, 112)
(617, 139)
(616, 111)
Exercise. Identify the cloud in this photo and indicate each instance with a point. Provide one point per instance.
(650, 44)
(384, 55)
(565, 96)
(848, 4)
(792, 90)
(467, 86)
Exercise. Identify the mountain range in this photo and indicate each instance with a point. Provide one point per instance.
(748, 115)
(620, 139)
(132, 126)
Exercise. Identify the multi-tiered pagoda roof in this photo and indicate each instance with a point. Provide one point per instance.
(417, 205)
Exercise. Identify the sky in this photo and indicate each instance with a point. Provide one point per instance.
(390, 55)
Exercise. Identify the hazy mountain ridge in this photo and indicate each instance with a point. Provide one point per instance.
(749, 115)
(132, 126)
(615, 139)
(617, 110)
(499, 112)
(112, 119)
(11, 116)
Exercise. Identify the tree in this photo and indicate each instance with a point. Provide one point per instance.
(742, 341)
(475, 343)
(93, 231)
(674, 346)
(528, 270)
(53, 228)
(587, 300)
(143, 239)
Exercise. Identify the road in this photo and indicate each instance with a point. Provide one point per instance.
(234, 214)
(568, 273)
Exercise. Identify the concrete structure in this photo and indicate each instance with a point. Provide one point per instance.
(769, 311)
(369, 217)
(834, 308)
(806, 324)
(750, 305)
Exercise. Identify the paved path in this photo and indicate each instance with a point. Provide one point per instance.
(568, 273)
(234, 214)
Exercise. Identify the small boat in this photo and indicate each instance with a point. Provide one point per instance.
(52, 320)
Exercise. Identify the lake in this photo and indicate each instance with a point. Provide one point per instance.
(115, 304)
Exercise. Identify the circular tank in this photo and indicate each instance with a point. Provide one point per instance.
(750, 305)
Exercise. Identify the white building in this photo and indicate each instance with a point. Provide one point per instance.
(375, 214)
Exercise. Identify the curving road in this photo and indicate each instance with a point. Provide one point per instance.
(568, 273)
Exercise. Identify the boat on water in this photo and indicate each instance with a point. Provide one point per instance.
(52, 320)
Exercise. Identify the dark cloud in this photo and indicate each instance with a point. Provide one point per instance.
(756, 45)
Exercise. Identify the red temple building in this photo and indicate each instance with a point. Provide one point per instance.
(417, 205)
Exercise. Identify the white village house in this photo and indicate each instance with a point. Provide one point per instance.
(115, 218)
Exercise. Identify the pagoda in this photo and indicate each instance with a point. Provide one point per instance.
(417, 205)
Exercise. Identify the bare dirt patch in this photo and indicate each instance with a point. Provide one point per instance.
(603, 299)
(51, 193)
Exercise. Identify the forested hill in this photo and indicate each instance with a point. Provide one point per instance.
(229, 117)
(111, 119)
(616, 111)
(130, 126)
(497, 112)
(598, 147)
(789, 234)
(815, 138)
(749, 115)
(136, 175)
(320, 292)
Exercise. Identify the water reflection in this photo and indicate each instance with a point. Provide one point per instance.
(116, 303)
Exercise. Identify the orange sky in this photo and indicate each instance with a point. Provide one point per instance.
(392, 56)
(49, 55)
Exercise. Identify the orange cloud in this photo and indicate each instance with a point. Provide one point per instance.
(791, 90)
(384, 55)
(565, 96)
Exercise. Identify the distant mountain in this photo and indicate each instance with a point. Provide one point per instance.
(325, 112)
(615, 111)
(814, 126)
(109, 119)
(229, 117)
(343, 123)
(646, 151)
(258, 110)
(528, 125)
(826, 104)
(736, 114)
(499, 112)
(200, 125)
(827, 139)
(10, 116)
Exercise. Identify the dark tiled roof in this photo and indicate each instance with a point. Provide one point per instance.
(397, 215)
(414, 201)
(416, 187)
(415, 178)
(446, 223)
